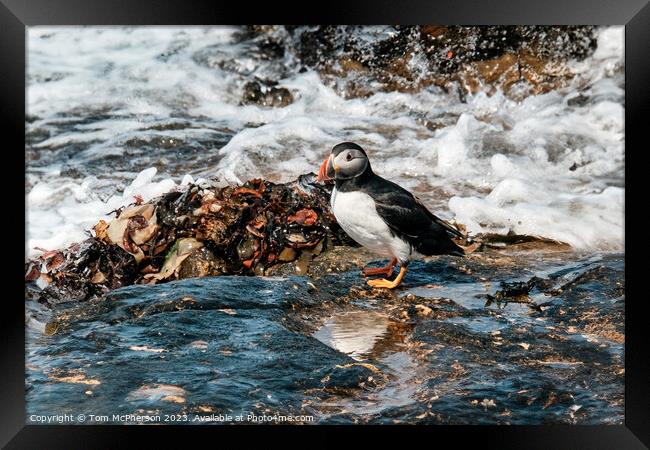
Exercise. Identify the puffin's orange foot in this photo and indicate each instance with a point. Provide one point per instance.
(382, 283)
(387, 284)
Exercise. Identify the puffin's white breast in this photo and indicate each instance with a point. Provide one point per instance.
(356, 213)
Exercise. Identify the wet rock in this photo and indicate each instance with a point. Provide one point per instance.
(263, 95)
(512, 240)
(504, 66)
(423, 310)
(72, 376)
(520, 60)
(201, 263)
(340, 259)
(245, 339)
(288, 254)
(345, 378)
(247, 248)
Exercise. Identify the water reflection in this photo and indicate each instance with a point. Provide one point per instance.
(354, 333)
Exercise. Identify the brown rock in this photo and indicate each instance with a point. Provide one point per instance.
(201, 263)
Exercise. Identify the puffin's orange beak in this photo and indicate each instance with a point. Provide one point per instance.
(326, 171)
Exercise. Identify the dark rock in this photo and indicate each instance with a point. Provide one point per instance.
(201, 263)
(271, 96)
(352, 58)
(344, 378)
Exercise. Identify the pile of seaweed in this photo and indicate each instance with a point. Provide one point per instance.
(203, 231)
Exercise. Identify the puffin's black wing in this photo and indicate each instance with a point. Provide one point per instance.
(406, 216)
(446, 225)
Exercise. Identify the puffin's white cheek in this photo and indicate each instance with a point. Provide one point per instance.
(347, 167)
(357, 166)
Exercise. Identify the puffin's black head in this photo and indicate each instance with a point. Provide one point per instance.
(347, 160)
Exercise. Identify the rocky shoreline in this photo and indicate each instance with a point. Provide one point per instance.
(498, 337)
(260, 228)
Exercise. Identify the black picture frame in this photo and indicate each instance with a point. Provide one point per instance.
(16, 15)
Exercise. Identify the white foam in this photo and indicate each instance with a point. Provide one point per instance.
(585, 221)
(60, 216)
(611, 44)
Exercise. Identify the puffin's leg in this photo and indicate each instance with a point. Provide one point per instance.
(383, 283)
(387, 271)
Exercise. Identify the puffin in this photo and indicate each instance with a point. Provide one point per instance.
(383, 216)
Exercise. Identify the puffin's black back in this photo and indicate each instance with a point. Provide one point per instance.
(405, 215)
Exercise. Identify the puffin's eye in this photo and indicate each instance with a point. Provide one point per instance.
(349, 157)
